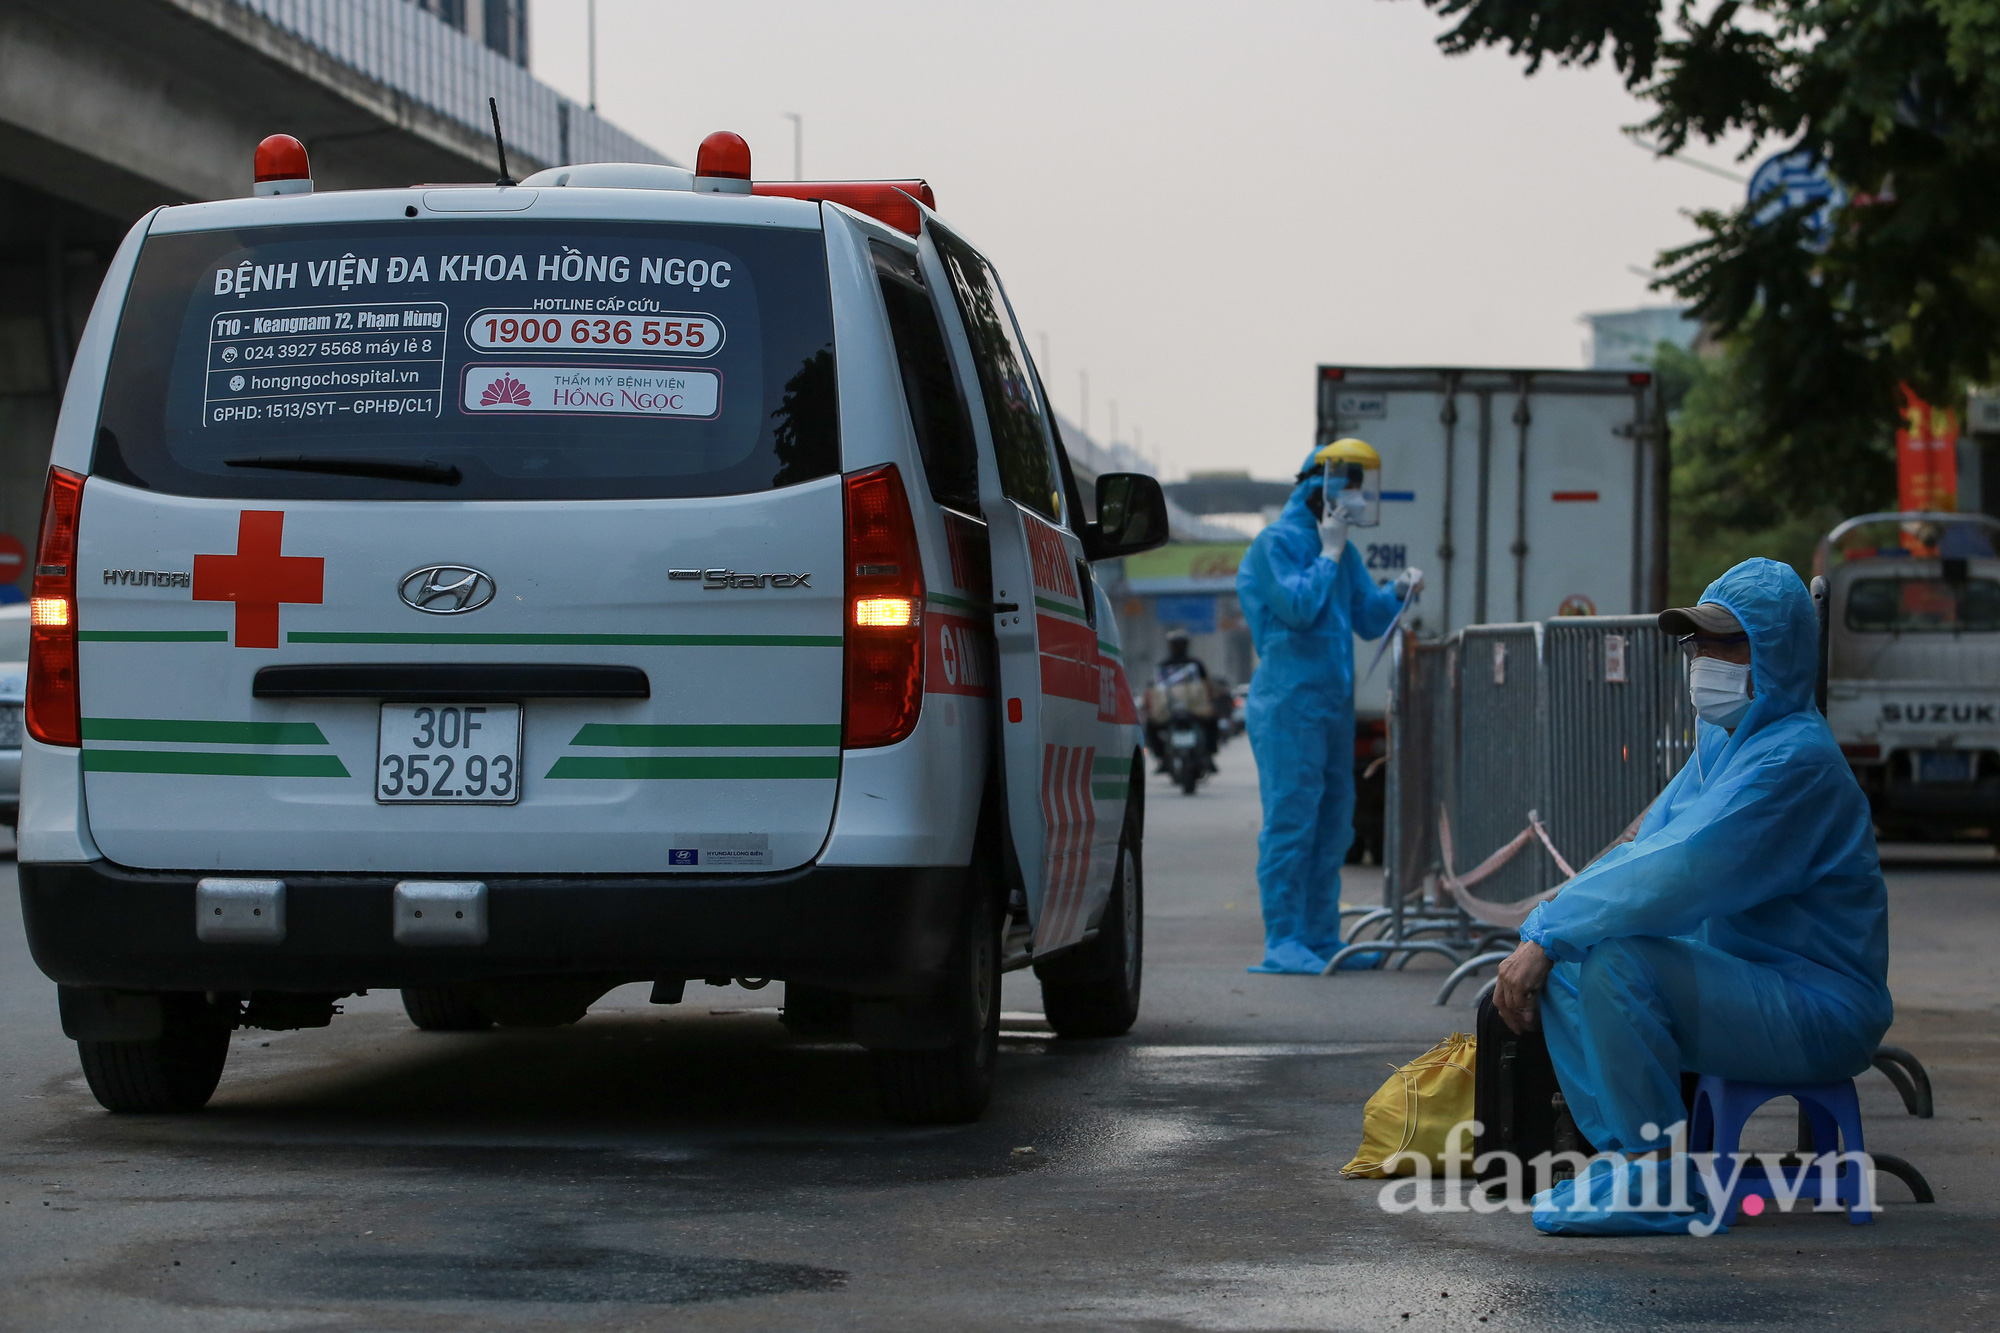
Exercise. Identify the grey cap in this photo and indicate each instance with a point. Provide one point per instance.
(1707, 618)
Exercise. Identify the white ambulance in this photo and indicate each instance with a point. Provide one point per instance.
(508, 593)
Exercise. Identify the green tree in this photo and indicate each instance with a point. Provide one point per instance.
(1724, 506)
(1901, 100)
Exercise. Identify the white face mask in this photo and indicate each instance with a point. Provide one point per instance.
(1719, 690)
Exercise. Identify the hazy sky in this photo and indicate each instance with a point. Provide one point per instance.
(1195, 203)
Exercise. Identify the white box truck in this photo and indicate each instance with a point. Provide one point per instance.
(1521, 494)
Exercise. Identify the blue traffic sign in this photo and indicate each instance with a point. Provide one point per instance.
(1796, 179)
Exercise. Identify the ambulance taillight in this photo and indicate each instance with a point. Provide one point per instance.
(885, 611)
(722, 164)
(281, 167)
(54, 712)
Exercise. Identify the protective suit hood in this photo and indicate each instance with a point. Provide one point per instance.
(1777, 613)
(1296, 512)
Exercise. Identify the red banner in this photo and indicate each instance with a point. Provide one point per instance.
(1926, 456)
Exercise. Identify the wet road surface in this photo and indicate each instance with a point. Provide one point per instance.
(694, 1167)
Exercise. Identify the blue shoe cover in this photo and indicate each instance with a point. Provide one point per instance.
(1354, 962)
(1584, 1205)
(1290, 958)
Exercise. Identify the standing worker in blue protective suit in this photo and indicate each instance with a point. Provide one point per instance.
(1306, 595)
(1743, 933)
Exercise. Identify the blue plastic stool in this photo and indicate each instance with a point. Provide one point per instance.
(1721, 1108)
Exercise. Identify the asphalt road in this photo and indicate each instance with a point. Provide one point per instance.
(693, 1167)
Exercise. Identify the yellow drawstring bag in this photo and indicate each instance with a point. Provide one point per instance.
(1415, 1109)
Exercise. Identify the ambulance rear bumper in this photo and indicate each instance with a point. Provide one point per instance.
(880, 931)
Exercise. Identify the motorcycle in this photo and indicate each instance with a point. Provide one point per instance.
(1187, 751)
(1180, 707)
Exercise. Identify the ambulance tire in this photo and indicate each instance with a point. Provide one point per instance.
(173, 1073)
(444, 1009)
(1093, 991)
(951, 1085)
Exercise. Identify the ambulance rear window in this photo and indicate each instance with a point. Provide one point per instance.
(474, 360)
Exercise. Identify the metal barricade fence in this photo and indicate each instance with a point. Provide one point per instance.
(1502, 743)
(1579, 722)
(1620, 726)
(1422, 733)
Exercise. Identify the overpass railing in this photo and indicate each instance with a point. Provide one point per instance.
(425, 59)
(1517, 754)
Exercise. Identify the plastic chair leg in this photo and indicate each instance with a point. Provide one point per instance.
(1835, 1112)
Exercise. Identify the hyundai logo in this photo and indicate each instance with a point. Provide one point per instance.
(447, 590)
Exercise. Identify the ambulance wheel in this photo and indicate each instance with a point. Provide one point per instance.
(1093, 991)
(174, 1072)
(444, 1009)
(951, 1085)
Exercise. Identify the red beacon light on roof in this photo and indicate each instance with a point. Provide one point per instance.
(722, 165)
(282, 167)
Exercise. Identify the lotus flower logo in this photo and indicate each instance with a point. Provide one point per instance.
(505, 391)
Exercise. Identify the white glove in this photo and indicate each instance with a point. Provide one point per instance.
(1333, 532)
(1410, 580)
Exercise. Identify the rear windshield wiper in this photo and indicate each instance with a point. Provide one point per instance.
(442, 474)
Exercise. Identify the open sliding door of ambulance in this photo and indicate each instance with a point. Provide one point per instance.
(1052, 674)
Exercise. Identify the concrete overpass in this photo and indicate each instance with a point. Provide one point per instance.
(110, 107)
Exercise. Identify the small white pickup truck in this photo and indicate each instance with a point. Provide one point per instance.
(1913, 677)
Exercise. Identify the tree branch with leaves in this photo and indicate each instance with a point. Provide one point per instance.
(1901, 100)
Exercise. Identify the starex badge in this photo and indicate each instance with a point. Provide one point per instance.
(447, 590)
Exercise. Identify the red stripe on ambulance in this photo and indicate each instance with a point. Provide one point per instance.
(1069, 813)
(1069, 660)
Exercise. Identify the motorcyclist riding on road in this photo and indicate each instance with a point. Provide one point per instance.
(1179, 668)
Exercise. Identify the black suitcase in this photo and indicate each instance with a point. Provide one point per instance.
(1515, 1096)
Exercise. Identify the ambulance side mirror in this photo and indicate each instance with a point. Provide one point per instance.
(1131, 516)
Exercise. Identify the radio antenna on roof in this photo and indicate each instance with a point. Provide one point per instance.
(499, 142)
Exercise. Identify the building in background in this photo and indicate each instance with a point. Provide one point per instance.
(109, 108)
(498, 25)
(1628, 339)
(1189, 584)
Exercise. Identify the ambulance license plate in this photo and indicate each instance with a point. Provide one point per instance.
(448, 754)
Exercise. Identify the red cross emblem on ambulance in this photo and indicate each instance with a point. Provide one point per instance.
(257, 578)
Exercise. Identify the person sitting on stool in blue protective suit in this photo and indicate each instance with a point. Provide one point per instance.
(1306, 594)
(1743, 933)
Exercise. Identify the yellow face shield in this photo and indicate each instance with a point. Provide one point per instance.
(1353, 473)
